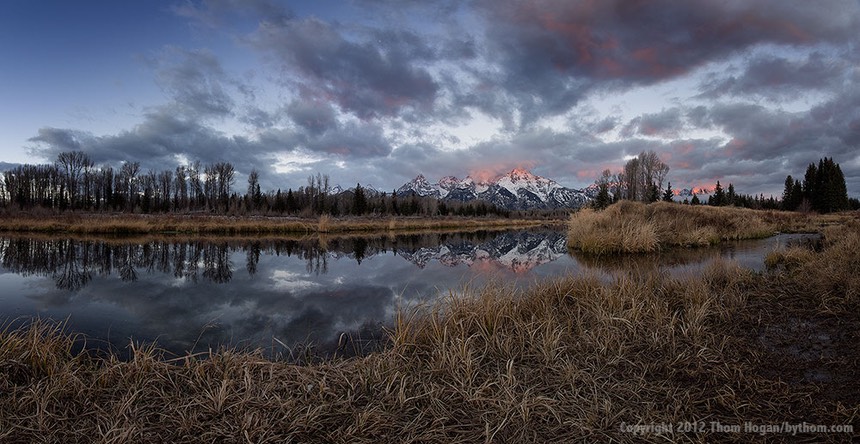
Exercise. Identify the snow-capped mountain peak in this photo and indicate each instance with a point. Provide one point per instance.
(420, 186)
(519, 180)
(449, 182)
(518, 189)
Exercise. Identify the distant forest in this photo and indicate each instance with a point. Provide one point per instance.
(823, 188)
(74, 183)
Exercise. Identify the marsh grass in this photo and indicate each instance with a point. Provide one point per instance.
(632, 227)
(570, 359)
(89, 224)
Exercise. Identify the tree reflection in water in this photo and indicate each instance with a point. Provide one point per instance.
(72, 263)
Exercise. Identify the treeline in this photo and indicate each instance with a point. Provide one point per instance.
(728, 197)
(74, 183)
(823, 190)
(316, 199)
(642, 180)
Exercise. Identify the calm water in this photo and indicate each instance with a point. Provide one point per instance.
(283, 295)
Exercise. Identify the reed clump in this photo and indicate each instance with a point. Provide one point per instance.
(633, 227)
(571, 359)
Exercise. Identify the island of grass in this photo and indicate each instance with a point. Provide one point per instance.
(634, 227)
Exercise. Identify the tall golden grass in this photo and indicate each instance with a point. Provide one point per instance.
(633, 227)
(569, 360)
(84, 224)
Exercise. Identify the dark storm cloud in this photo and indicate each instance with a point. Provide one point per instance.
(62, 140)
(258, 118)
(315, 116)
(779, 77)
(155, 143)
(367, 78)
(352, 141)
(666, 123)
(162, 137)
(552, 52)
(563, 156)
(195, 81)
(766, 143)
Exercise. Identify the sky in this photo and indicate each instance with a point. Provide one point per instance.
(377, 91)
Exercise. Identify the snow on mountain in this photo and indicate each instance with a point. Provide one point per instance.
(520, 179)
(518, 252)
(476, 187)
(517, 190)
(688, 192)
(420, 186)
(447, 184)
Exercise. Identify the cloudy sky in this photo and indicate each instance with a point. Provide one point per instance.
(377, 91)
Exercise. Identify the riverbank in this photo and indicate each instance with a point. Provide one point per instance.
(572, 359)
(199, 225)
(633, 227)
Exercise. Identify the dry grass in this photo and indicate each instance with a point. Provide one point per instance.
(86, 224)
(568, 360)
(632, 227)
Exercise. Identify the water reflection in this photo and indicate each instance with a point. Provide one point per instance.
(192, 295)
(748, 254)
(72, 263)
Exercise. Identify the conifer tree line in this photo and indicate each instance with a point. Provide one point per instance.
(74, 183)
(822, 189)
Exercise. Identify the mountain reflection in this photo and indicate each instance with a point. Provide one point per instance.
(192, 295)
(71, 263)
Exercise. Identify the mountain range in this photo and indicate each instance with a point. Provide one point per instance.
(516, 190)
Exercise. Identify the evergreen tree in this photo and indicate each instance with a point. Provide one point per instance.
(787, 203)
(668, 195)
(809, 182)
(824, 186)
(603, 199)
(653, 193)
(291, 205)
(730, 195)
(719, 197)
(359, 202)
(796, 194)
(695, 200)
(280, 205)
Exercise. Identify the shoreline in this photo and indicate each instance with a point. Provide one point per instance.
(126, 224)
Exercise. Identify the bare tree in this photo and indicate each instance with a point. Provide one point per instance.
(180, 189)
(643, 176)
(128, 173)
(165, 179)
(72, 165)
(195, 186)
